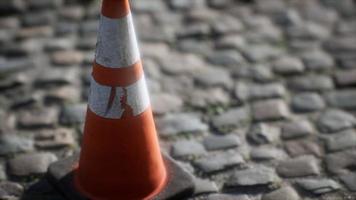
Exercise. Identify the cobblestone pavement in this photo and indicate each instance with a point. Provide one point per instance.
(257, 98)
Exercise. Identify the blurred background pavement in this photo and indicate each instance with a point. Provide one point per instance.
(257, 98)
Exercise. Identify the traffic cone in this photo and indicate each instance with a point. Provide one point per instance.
(120, 156)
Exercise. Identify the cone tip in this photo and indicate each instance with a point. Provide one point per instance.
(115, 8)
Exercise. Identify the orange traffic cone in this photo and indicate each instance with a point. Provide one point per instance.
(120, 157)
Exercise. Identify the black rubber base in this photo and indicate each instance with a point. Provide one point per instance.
(180, 183)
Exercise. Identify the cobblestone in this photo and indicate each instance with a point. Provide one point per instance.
(341, 99)
(219, 162)
(312, 83)
(263, 134)
(32, 163)
(309, 31)
(67, 57)
(349, 180)
(212, 143)
(303, 147)
(226, 24)
(296, 129)
(8, 66)
(298, 167)
(38, 118)
(335, 120)
(257, 175)
(9, 190)
(183, 149)
(214, 77)
(2, 173)
(288, 65)
(270, 110)
(203, 186)
(227, 197)
(209, 97)
(72, 114)
(254, 92)
(173, 124)
(258, 53)
(52, 139)
(261, 73)
(230, 58)
(267, 153)
(63, 95)
(164, 103)
(255, 98)
(346, 77)
(342, 140)
(56, 76)
(287, 193)
(318, 186)
(10, 144)
(338, 163)
(317, 60)
(234, 117)
(307, 102)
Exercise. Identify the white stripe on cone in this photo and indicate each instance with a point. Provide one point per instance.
(136, 97)
(117, 44)
(99, 98)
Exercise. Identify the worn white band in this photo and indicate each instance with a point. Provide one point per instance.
(99, 99)
(117, 44)
(136, 97)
